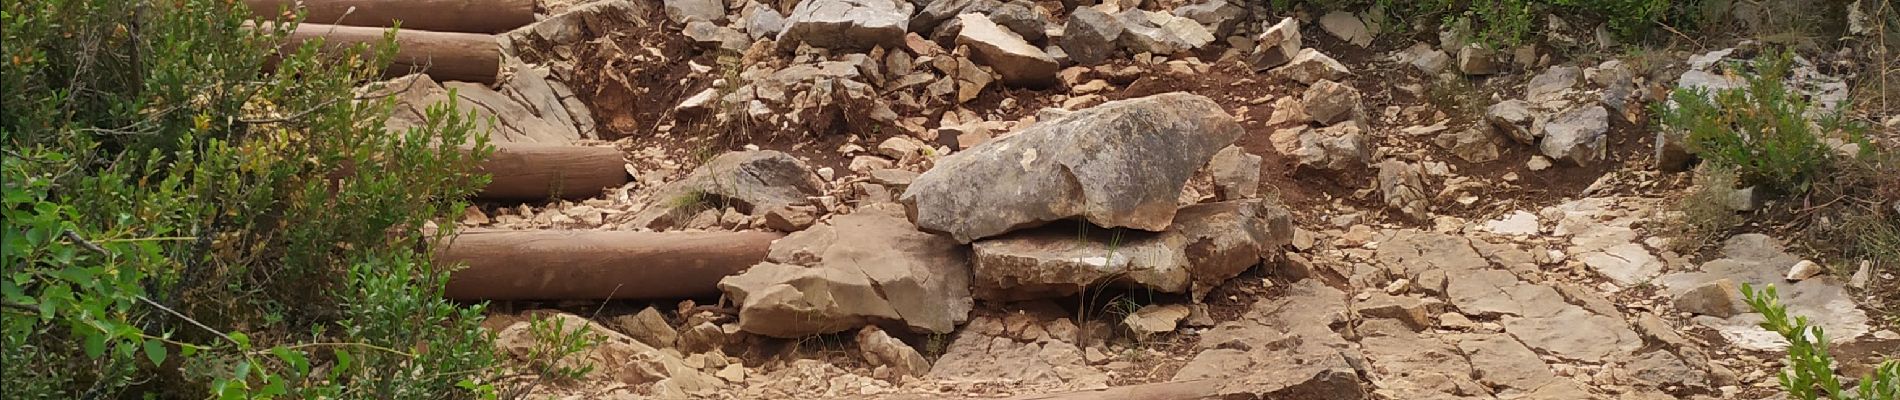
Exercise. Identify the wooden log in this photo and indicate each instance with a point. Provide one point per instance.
(597, 265)
(524, 171)
(445, 56)
(474, 16)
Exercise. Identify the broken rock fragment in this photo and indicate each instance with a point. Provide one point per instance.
(880, 349)
(1338, 147)
(1090, 36)
(1119, 164)
(1276, 45)
(1309, 66)
(1020, 63)
(1329, 102)
(1403, 186)
(1579, 135)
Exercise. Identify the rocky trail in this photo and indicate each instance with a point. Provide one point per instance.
(1121, 199)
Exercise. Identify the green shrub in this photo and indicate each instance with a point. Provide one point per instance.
(1762, 130)
(1810, 373)
(1510, 22)
(178, 223)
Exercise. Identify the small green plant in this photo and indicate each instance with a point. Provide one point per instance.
(1510, 22)
(1810, 373)
(1761, 131)
(1703, 215)
(555, 343)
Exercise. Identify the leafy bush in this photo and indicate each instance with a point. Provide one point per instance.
(191, 225)
(1762, 130)
(1810, 373)
(1510, 22)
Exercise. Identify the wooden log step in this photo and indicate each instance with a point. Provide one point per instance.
(597, 265)
(525, 171)
(445, 56)
(473, 16)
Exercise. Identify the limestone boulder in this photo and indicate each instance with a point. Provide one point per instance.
(1119, 164)
(1579, 135)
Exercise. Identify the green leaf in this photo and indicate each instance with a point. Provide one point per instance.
(243, 341)
(343, 362)
(295, 359)
(155, 350)
(94, 344)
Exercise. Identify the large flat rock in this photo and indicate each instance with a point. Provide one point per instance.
(1759, 260)
(870, 266)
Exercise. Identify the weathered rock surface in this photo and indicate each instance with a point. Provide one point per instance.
(1236, 173)
(1603, 238)
(1402, 185)
(754, 181)
(1427, 59)
(763, 22)
(616, 358)
(868, 266)
(1276, 45)
(1471, 145)
(1053, 365)
(1161, 33)
(1155, 319)
(1020, 63)
(1720, 298)
(1553, 84)
(1580, 135)
(1338, 147)
(1329, 102)
(1120, 164)
(935, 12)
(707, 34)
(1513, 117)
(1283, 347)
(1759, 260)
(1475, 59)
(528, 107)
(646, 326)
(1021, 17)
(847, 24)
(1345, 26)
(880, 349)
(681, 11)
(1218, 16)
(1090, 35)
(1501, 361)
(1206, 245)
(1415, 366)
(1309, 66)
